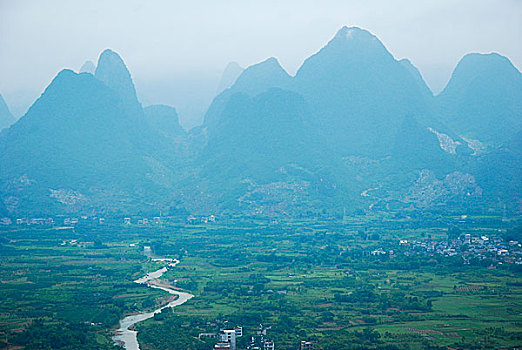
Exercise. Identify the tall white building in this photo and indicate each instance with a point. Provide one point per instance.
(229, 335)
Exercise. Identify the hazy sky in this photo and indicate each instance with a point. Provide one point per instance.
(176, 50)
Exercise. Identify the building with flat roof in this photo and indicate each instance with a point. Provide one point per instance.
(305, 345)
(222, 346)
(229, 336)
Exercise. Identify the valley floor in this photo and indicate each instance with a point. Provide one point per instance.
(369, 282)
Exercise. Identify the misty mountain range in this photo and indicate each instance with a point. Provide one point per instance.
(354, 129)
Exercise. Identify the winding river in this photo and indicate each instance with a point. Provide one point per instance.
(128, 337)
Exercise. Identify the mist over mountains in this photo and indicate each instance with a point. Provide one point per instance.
(232, 71)
(6, 118)
(354, 129)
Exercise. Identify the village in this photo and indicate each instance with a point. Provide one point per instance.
(468, 247)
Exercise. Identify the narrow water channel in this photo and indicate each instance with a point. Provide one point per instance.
(128, 337)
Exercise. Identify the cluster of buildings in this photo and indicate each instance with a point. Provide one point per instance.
(66, 221)
(191, 219)
(143, 221)
(468, 247)
(71, 221)
(27, 221)
(261, 342)
(227, 339)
